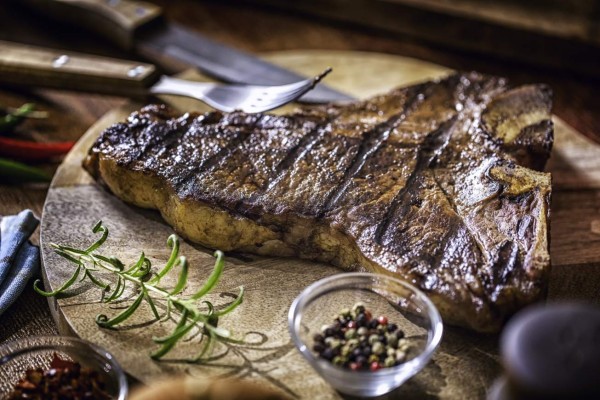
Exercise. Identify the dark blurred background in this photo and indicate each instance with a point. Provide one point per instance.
(552, 41)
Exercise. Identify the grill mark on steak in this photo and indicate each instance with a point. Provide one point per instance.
(441, 196)
(246, 206)
(304, 146)
(212, 161)
(369, 145)
(427, 152)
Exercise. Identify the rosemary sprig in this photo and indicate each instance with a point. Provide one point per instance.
(145, 283)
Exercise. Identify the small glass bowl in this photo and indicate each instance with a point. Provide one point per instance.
(402, 303)
(18, 356)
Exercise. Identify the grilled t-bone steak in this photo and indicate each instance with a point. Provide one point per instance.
(435, 183)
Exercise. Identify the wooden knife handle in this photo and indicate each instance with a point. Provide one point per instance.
(34, 66)
(115, 19)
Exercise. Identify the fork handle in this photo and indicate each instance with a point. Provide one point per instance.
(117, 20)
(39, 67)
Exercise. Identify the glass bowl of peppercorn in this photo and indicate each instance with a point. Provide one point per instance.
(366, 334)
(59, 367)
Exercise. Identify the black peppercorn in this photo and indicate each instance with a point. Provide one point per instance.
(318, 347)
(328, 354)
(361, 319)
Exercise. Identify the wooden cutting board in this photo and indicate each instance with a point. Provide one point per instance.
(465, 364)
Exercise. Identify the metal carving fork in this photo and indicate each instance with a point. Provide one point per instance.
(39, 67)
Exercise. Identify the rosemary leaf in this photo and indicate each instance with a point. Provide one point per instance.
(69, 257)
(182, 276)
(69, 249)
(168, 345)
(173, 242)
(178, 329)
(121, 290)
(96, 281)
(168, 313)
(209, 341)
(113, 261)
(98, 228)
(61, 289)
(138, 264)
(115, 293)
(143, 271)
(151, 304)
(233, 305)
(213, 278)
(104, 322)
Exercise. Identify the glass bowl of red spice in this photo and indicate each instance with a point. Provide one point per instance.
(366, 334)
(49, 367)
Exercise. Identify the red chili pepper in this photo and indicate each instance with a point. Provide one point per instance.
(32, 151)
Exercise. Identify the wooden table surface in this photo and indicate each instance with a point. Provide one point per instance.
(249, 28)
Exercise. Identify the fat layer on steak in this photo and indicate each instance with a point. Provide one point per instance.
(436, 183)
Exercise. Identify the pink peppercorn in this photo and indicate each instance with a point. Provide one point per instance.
(374, 366)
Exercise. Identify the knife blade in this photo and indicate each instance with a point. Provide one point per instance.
(140, 26)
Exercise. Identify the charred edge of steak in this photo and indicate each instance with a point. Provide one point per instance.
(430, 183)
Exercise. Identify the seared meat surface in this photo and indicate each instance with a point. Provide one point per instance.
(436, 183)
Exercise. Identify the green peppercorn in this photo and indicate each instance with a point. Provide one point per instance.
(403, 344)
(392, 340)
(345, 350)
(337, 360)
(389, 362)
(352, 343)
(377, 348)
(391, 352)
(350, 334)
(400, 356)
(373, 358)
(373, 339)
(362, 331)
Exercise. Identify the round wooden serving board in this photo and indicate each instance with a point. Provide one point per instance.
(465, 364)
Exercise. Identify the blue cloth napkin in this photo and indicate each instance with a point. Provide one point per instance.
(19, 259)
